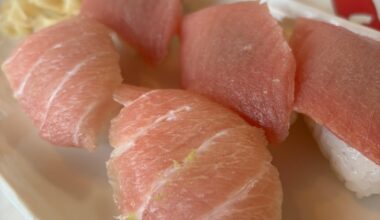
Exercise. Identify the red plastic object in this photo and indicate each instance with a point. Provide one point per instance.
(347, 8)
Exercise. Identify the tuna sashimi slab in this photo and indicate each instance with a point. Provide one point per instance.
(236, 54)
(147, 25)
(180, 156)
(64, 77)
(338, 83)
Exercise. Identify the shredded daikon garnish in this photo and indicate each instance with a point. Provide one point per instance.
(19, 18)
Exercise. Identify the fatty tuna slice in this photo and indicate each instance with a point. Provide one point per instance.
(180, 156)
(237, 55)
(64, 76)
(148, 25)
(338, 83)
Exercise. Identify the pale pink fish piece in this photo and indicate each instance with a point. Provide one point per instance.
(64, 77)
(126, 94)
(237, 55)
(338, 83)
(148, 25)
(180, 156)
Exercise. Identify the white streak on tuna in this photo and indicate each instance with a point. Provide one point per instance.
(40, 60)
(236, 196)
(172, 116)
(130, 142)
(72, 72)
(20, 89)
(78, 127)
(169, 172)
(143, 96)
(205, 145)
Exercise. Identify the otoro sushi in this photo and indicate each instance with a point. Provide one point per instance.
(147, 25)
(237, 55)
(180, 156)
(63, 77)
(338, 88)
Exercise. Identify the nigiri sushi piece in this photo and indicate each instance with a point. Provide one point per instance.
(63, 77)
(236, 54)
(338, 87)
(180, 156)
(148, 25)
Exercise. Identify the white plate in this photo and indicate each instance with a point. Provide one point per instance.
(47, 182)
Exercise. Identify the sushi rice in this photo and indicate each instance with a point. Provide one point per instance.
(360, 174)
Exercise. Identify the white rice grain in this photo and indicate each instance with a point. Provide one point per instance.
(360, 174)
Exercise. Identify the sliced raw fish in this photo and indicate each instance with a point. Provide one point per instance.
(338, 83)
(148, 25)
(237, 55)
(180, 156)
(64, 77)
